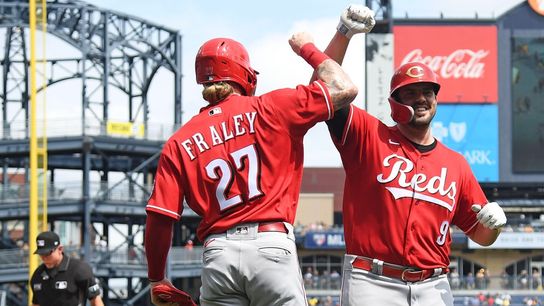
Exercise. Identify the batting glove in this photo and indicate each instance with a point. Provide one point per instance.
(163, 293)
(491, 215)
(356, 19)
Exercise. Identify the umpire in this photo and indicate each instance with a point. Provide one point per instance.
(62, 280)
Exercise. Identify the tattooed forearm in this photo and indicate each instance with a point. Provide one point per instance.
(341, 88)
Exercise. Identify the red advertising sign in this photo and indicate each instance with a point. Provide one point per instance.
(463, 57)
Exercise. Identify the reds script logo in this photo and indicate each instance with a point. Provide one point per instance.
(418, 184)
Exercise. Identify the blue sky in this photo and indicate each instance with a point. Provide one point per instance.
(264, 28)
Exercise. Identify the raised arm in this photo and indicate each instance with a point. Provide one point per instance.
(355, 19)
(341, 89)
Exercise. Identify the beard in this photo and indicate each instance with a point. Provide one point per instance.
(423, 122)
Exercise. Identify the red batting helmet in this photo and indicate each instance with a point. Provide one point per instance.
(223, 59)
(407, 74)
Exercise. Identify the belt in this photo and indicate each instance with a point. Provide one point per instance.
(272, 227)
(405, 274)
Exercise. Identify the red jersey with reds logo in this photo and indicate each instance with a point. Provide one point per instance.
(400, 203)
(240, 160)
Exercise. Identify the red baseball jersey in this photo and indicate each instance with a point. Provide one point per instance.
(240, 160)
(400, 203)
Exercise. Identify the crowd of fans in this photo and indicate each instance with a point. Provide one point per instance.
(481, 280)
(321, 226)
(301, 230)
(481, 299)
(469, 281)
(500, 299)
(324, 301)
(313, 279)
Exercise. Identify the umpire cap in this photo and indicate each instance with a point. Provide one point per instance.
(47, 242)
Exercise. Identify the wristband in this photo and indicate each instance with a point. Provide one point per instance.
(344, 30)
(312, 55)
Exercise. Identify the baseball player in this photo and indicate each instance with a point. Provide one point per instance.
(238, 164)
(404, 190)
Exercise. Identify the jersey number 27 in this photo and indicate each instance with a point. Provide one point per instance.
(228, 172)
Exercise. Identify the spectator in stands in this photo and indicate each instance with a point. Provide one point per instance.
(527, 228)
(523, 280)
(490, 300)
(508, 228)
(16, 291)
(325, 280)
(467, 301)
(328, 301)
(531, 301)
(487, 278)
(189, 245)
(506, 299)
(499, 299)
(299, 228)
(536, 279)
(313, 301)
(308, 278)
(455, 281)
(481, 298)
(469, 281)
(316, 278)
(335, 279)
(480, 279)
(506, 280)
(23, 250)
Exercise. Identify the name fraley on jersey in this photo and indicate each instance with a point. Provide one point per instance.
(220, 133)
(432, 189)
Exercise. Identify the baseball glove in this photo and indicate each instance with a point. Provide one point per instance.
(173, 295)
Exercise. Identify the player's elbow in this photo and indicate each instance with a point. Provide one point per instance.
(351, 92)
(343, 97)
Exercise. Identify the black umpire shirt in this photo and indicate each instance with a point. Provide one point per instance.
(69, 284)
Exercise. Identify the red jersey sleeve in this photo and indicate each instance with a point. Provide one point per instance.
(359, 124)
(168, 193)
(470, 193)
(311, 104)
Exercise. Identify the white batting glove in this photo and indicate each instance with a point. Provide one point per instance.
(491, 215)
(355, 19)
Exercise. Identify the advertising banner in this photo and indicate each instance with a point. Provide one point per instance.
(513, 240)
(324, 240)
(464, 58)
(129, 129)
(471, 130)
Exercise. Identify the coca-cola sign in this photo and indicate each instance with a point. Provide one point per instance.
(464, 58)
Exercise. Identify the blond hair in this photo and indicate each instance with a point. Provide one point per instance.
(215, 92)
